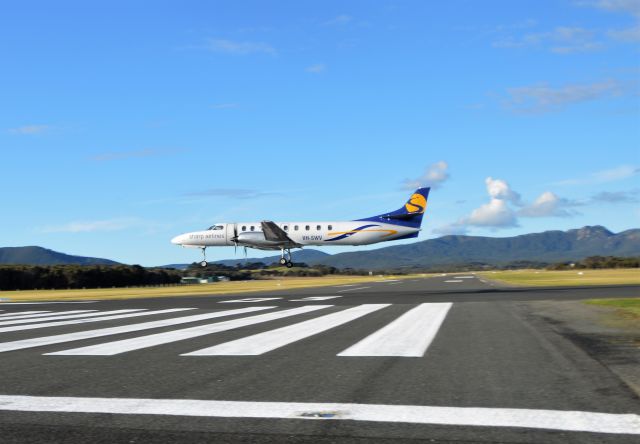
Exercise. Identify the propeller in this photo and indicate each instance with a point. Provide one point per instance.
(234, 239)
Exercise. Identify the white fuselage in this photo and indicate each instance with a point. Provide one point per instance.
(304, 233)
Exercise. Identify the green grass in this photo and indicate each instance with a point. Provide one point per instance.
(217, 288)
(628, 307)
(618, 276)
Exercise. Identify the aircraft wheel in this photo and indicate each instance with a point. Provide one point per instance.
(283, 261)
(289, 264)
(203, 264)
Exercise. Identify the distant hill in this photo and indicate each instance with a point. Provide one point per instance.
(548, 246)
(43, 256)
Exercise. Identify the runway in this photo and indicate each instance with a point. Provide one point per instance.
(446, 359)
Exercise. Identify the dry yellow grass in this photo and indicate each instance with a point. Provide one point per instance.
(624, 276)
(217, 288)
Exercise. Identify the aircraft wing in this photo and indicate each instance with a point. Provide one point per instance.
(274, 233)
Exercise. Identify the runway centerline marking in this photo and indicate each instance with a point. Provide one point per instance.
(270, 340)
(125, 345)
(464, 277)
(409, 335)
(573, 421)
(249, 300)
(454, 280)
(352, 289)
(315, 298)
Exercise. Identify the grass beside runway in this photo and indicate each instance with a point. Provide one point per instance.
(217, 288)
(628, 308)
(549, 278)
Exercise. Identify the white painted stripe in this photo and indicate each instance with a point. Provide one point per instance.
(345, 285)
(249, 300)
(25, 319)
(464, 277)
(77, 336)
(94, 315)
(85, 321)
(451, 280)
(315, 298)
(571, 421)
(352, 289)
(45, 303)
(409, 335)
(270, 340)
(125, 345)
(20, 313)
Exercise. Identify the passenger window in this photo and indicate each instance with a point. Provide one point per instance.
(244, 228)
(252, 228)
(295, 227)
(318, 228)
(307, 228)
(286, 228)
(330, 228)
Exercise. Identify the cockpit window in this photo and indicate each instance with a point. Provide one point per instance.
(216, 227)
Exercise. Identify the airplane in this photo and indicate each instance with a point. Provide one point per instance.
(403, 223)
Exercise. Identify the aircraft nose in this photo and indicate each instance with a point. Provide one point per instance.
(178, 239)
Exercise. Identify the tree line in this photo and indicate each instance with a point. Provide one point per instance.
(30, 277)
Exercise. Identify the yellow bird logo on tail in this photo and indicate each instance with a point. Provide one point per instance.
(417, 204)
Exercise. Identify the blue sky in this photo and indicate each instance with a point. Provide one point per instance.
(125, 123)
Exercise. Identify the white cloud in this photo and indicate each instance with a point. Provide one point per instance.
(495, 214)
(317, 68)
(29, 129)
(630, 6)
(549, 204)
(499, 189)
(604, 176)
(239, 48)
(560, 40)
(626, 35)
(340, 20)
(94, 226)
(544, 98)
(632, 196)
(434, 176)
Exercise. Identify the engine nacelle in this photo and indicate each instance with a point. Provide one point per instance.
(254, 239)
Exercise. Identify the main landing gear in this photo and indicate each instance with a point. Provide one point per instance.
(286, 261)
(204, 263)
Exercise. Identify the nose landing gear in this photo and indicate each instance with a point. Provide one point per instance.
(286, 261)
(204, 263)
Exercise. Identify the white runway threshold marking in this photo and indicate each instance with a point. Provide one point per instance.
(75, 314)
(315, 298)
(409, 336)
(21, 313)
(573, 421)
(125, 345)
(77, 336)
(273, 339)
(115, 314)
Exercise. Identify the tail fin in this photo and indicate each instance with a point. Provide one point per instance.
(409, 215)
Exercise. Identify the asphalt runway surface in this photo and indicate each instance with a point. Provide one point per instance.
(445, 359)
